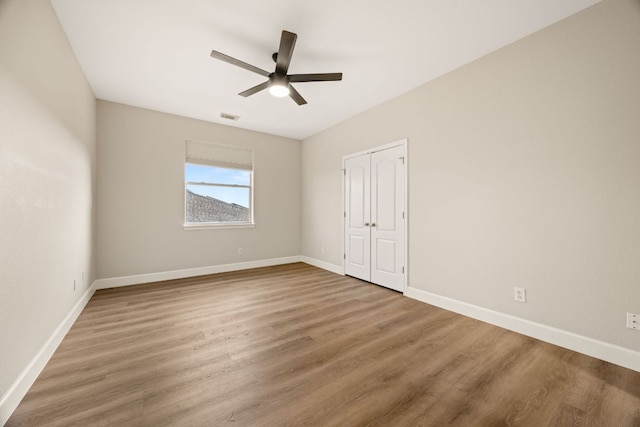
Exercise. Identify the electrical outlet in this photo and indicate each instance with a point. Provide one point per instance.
(74, 285)
(633, 321)
(520, 294)
(240, 251)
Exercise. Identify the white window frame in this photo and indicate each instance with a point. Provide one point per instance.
(219, 164)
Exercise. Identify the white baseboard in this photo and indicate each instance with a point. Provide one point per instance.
(137, 279)
(10, 400)
(322, 264)
(599, 349)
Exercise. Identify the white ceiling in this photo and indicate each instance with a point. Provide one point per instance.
(155, 53)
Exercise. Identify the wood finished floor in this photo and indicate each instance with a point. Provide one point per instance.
(295, 345)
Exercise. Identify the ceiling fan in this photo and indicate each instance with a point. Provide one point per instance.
(279, 82)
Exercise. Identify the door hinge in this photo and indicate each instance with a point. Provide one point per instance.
(402, 158)
(344, 256)
(345, 214)
(344, 172)
(402, 270)
(402, 215)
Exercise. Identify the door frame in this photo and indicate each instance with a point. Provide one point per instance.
(399, 143)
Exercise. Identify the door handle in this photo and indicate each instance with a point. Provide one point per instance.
(366, 224)
(373, 224)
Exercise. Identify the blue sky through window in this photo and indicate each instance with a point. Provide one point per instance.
(211, 174)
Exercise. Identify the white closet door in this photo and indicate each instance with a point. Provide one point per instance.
(357, 218)
(387, 218)
(375, 217)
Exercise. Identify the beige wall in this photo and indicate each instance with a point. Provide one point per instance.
(141, 193)
(47, 156)
(524, 170)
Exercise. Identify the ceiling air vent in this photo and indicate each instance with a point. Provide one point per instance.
(229, 116)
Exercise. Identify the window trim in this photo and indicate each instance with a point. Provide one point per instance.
(217, 225)
(250, 187)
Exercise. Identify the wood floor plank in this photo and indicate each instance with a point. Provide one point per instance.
(296, 345)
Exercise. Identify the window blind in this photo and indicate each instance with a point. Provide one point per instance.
(220, 155)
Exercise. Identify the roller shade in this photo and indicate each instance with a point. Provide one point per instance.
(224, 156)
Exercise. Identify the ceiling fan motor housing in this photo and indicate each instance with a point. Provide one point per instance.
(278, 80)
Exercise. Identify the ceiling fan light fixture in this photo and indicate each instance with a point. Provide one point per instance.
(279, 86)
(279, 91)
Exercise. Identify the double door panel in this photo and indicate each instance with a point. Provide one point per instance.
(374, 217)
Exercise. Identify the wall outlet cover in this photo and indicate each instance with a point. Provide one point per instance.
(520, 294)
(633, 321)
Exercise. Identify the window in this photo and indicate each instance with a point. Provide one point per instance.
(218, 184)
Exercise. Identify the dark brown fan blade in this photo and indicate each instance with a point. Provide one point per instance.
(325, 77)
(238, 63)
(287, 43)
(255, 89)
(296, 96)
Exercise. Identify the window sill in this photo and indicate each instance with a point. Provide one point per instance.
(213, 226)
